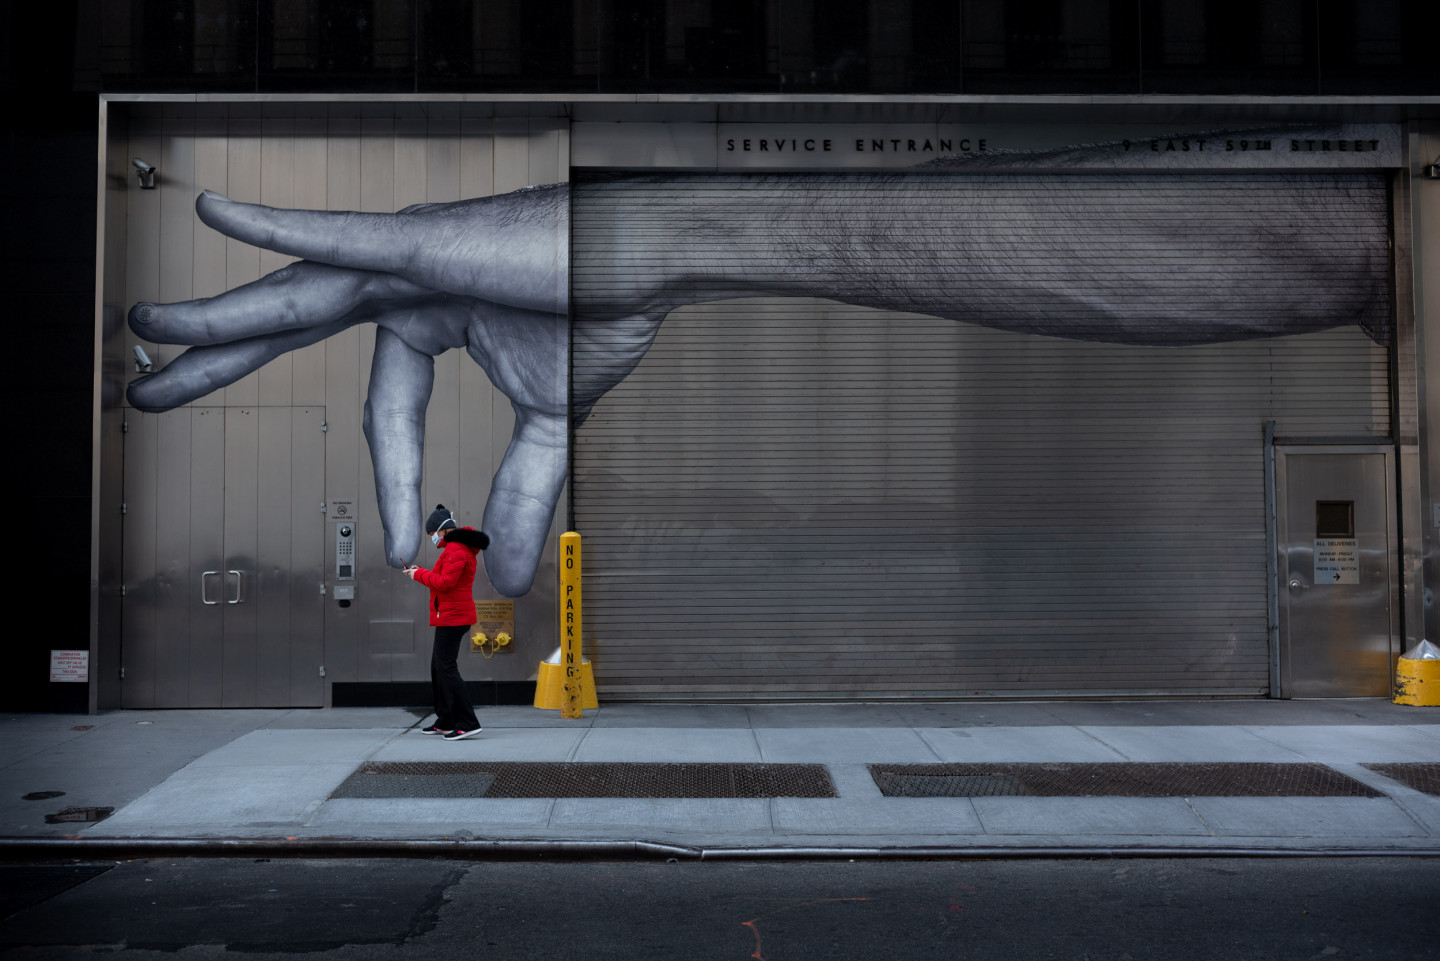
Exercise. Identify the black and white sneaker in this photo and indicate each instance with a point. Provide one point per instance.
(462, 735)
(433, 729)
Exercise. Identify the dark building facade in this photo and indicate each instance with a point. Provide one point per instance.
(910, 349)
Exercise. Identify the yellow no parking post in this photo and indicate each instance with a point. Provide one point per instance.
(1417, 676)
(566, 680)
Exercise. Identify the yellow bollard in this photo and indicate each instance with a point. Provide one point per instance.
(566, 680)
(1417, 676)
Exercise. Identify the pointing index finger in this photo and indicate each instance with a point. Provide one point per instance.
(512, 249)
(367, 241)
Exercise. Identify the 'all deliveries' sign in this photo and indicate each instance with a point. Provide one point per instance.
(1337, 561)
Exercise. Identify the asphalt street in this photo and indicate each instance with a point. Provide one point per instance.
(1173, 909)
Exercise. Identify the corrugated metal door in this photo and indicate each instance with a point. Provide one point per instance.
(791, 497)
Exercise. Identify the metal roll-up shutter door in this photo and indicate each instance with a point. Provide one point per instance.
(794, 498)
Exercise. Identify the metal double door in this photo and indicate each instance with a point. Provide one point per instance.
(1338, 575)
(224, 532)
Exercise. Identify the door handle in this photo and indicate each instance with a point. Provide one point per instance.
(238, 578)
(203, 598)
(1295, 585)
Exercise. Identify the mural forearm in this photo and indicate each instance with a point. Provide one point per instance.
(1037, 256)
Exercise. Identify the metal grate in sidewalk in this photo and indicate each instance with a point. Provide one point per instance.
(575, 779)
(1423, 777)
(1115, 779)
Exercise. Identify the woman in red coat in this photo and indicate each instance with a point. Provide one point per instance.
(452, 611)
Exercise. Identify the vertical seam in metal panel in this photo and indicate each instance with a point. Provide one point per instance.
(570, 354)
(96, 412)
(1272, 566)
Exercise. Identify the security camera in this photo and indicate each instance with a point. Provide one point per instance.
(143, 365)
(145, 172)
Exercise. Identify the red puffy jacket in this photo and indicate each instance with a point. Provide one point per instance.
(449, 581)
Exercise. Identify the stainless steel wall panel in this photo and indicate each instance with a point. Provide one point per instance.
(274, 382)
(343, 478)
(544, 151)
(175, 583)
(344, 395)
(271, 593)
(442, 159)
(1423, 146)
(240, 667)
(242, 261)
(512, 153)
(307, 556)
(207, 553)
(177, 220)
(342, 160)
(383, 159)
(377, 164)
(800, 498)
(307, 364)
(373, 583)
(143, 219)
(140, 621)
(411, 169)
(107, 447)
(477, 157)
(1338, 637)
(212, 172)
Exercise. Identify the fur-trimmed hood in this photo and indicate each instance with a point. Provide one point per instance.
(470, 537)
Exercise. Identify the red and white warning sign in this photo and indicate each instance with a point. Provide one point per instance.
(70, 666)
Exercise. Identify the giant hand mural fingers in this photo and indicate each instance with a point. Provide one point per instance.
(522, 500)
(511, 249)
(526, 355)
(301, 295)
(201, 370)
(401, 378)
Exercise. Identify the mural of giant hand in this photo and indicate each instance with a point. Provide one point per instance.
(1056, 257)
(431, 279)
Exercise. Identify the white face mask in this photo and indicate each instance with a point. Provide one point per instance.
(435, 538)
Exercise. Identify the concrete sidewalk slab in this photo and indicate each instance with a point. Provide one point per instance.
(689, 716)
(643, 817)
(1190, 743)
(268, 774)
(494, 744)
(269, 748)
(668, 745)
(821, 744)
(1360, 743)
(1071, 817)
(807, 817)
(227, 799)
(318, 719)
(781, 716)
(1313, 817)
(398, 817)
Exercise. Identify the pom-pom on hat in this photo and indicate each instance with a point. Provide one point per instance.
(440, 519)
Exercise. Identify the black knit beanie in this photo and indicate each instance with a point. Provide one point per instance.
(439, 519)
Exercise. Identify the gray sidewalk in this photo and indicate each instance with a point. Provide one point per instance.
(269, 774)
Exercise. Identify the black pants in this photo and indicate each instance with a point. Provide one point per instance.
(452, 701)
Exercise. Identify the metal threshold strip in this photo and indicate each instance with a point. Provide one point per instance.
(1116, 779)
(573, 779)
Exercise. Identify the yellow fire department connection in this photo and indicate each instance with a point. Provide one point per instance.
(565, 680)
